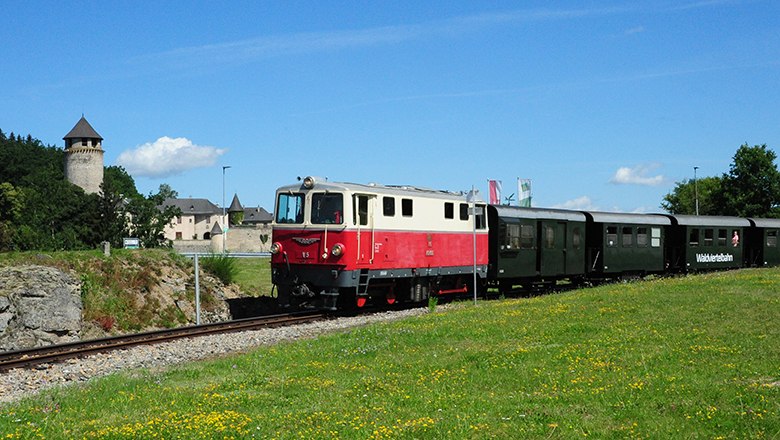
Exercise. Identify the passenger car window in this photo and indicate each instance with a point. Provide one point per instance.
(693, 241)
(527, 236)
(611, 236)
(655, 237)
(627, 236)
(641, 237)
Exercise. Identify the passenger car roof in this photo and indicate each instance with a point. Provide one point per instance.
(765, 222)
(706, 220)
(506, 211)
(627, 218)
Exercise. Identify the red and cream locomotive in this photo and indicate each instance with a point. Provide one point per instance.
(337, 245)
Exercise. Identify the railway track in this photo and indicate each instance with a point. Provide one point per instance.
(56, 353)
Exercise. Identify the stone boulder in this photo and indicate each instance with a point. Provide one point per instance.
(39, 306)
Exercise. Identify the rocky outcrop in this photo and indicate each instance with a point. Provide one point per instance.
(39, 306)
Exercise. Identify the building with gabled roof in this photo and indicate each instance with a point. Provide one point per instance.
(196, 221)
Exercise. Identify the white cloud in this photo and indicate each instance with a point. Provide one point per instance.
(637, 175)
(167, 156)
(580, 203)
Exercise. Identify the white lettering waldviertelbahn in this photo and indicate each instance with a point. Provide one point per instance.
(714, 258)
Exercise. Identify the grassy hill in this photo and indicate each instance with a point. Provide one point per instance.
(131, 290)
(693, 357)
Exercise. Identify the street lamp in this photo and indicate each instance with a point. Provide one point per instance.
(224, 221)
(695, 190)
(473, 198)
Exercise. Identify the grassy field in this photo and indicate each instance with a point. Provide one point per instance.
(694, 357)
(253, 276)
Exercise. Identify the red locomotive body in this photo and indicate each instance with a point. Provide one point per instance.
(342, 244)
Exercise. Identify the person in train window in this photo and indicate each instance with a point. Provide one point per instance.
(735, 239)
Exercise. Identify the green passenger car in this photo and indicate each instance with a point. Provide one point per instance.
(625, 245)
(531, 245)
(762, 242)
(706, 243)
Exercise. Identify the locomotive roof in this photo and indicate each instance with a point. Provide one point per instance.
(627, 218)
(765, 222)
(706, 220)
(506, 211)
(376, 188)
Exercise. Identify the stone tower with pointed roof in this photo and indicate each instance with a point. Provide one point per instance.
(84, 157)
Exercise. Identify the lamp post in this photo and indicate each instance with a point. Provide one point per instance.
(473, 198)
(695, 190)
(224, 221)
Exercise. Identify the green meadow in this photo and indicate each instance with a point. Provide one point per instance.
(690, 357)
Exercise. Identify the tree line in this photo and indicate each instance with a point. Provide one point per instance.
(41, 210)
(751, 188)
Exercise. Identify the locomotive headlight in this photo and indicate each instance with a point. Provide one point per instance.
(338, 250)
(276, 248)
(308, 182)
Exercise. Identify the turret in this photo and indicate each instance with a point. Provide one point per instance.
(84, 157)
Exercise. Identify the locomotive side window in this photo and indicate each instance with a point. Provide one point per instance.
(360, 210)
(327, 208)
(771, 238)
(627, 236)
(388, 206)
(449, 210)
(722, 237)
(289, 208)
(708, 235)
(641, 237)
(693, 241)
(611, 236)
(480, 218)
(655, 237)
(406, 207)
(527, 236)
(464, 211)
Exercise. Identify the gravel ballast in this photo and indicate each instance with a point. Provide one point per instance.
(18, 383)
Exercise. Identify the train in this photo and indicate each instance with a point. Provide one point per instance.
(339, 245)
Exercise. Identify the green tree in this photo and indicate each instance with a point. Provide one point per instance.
(149, 219)
(682, 199)
(111, 210)
(752, 186)
(10, 210)
(166, 192)
(119, 181)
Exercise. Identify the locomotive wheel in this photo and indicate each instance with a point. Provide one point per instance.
(390, 298)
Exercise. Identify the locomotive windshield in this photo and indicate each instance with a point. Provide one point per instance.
(327, 208)
(289, 208)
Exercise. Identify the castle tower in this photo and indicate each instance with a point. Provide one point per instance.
(84, 157)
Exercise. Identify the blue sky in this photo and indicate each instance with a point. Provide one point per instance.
(603, 105)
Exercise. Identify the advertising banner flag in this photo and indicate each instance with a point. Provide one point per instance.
(524, 191)
(494, 189)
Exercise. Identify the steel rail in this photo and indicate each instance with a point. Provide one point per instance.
(55, 353)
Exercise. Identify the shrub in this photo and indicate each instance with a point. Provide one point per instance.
(221, 266)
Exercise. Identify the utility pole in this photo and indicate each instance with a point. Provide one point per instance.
(224, 220)
(696, 190)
